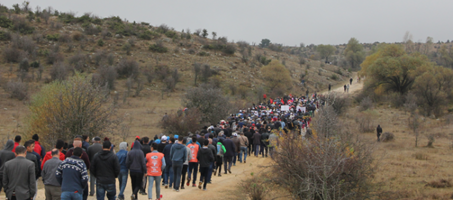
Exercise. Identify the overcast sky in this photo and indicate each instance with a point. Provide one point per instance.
(282, 21)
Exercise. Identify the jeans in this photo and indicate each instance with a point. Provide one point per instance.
(52, 192)
(243, 152)
(136, 182)
(183, 174)
(122, 178)
(211, 167)
(168, 173)
(92, 184)
(177, 169)
(250, 148)
(152, 179)
(271, 152)
(204, 176)
(193, 166)
(227, 161)
(103, 188)
(235, 158)
(71, 196)
(257, 149)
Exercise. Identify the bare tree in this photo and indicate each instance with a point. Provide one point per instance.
(182, 122)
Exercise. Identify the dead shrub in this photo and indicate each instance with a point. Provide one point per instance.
(387, 137)
(255, 188)
(162, 71)
(430, 141)
(127, 68)
(396, 99)
(25, 43)
(24, 65)
(365, 120)
(339, 102)
(12, 54)
(77, 36)
(99, 56)
(182, 122)
(59, 71)
(148, 74)
(54, 57)
(442, 183)
(105, 76)
(17, 90)
(420, 156)
(366, 104)
(78, 62)
(66, 38)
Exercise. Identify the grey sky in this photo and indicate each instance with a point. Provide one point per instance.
(282, 21)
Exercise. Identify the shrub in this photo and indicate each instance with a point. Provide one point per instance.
(91, 29)
(203, 53)
(53, 37)
(197, 32)
(365, 120)
(78, 62)
(54, 57)
(132, 41)
(182, 122)
(366, 104)
(158, 47)
(255, 188)
(59, 71)
(334, 77)
(171, 34)
(338, 102)
(100, 42)
(21, 25)
(11, 54)
(170, 83)
(162, 71)
(387, 137)
(105, 76)
(127, 47)
(442, 183)
(24, 65)
(127, 68)
(75, 107)
(5, 36)
(5, 22)
(66, 38)
(229, 49)
(420, 156)
(163, 28)
(25, 43)
(77, 36)
(205, 33)
(99, 56)
(192, 51)
(149, 35)
(17, 90)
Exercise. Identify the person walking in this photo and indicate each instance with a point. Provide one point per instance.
(272, 144)
(34, 157)
(185, 165)
(168, 172)
(256, 138)
(155, 163)
(237, 146)
(379, 132)
(72, 175)
(59, 145)
(135, 162)
(243, 143)
(193, 163)
(19, 179)
(51, 185)
(122, 177)
(6, 155)
(39, 149)
(92, 150)
(105, 167)
(264, 143)
(211, 166)
(350, 81)
(146, 148)
(330, 87)
(178, 155)
(78, 143)
(17, 140)
(219, 156)
(344, 88)
(85, 144)
(249, 136)
(205, 158)
(347, 88)
(228, 156)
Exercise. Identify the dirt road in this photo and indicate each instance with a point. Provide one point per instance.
(354, 87)
(224, 187)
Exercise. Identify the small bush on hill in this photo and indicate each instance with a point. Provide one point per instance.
(105, 76)
(149, 35)
(127, 68)
(171, 34)
(78, 62)
(5, 22)
(203, 53)
(21, 25)
(11, 54)
(5, 36)
(100, 42)
(77, 36)
(387, 137)
(24, 65)
(162, 71)
(59, 71)
(163, 28)
(366, 103)
(334, 77)
(17, 90)
(54, 57)
(229, 49)
(53, 37)
(182, 122)
(66, 38)
(158, 47)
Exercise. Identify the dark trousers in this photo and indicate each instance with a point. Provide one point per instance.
(183, 174)
(177, 169)
(378, 137)
(85, 193)
(204, 176)
(250, 148)
(219, 162)
(102, 189)
(263, 149)
(193, 166)
(136, 181)
(228, 160)
(211, 167)
(235, 158)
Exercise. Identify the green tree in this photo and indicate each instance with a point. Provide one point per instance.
(354, 53)
(392, 69)
(325, 50)
(205, 33)
(265, 43)
(276, 76)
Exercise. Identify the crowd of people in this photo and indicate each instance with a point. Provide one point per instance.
(79, 169)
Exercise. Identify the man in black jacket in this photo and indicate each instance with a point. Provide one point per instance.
(379, 132)
(205, 158)
(228, 156)
(264, 142)
(249, 135)
(146, 149)
(6, 155)
(105, 167)
(91, 151)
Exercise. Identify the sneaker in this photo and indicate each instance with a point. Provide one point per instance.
(209, 182)
(132, 197)
(188, 181)
(182, 188)
(177, 190)
(225, 173)
(166, 186)
(194, 185)
(215, 172)
(220, 174)
(229, 171)
(204, 189)
(120, 198)
(245, 161)
(143, 193)
(199, 184)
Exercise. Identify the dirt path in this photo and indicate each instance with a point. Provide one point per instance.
(354, 87)
(224, 187)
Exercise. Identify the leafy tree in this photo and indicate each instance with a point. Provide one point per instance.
(325, 51)
(264, 43)
(446, 56)
(354, 53)
(276, 76)
(392, 69)
(205, 33)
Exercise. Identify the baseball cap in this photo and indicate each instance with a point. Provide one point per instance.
(235, 134)
(97, 138)
(176, 136)
(164, 138)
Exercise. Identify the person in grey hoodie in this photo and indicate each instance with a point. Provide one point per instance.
(185, 165)
(178, 155)
(49, 178)
(136, 164)
(5, 155)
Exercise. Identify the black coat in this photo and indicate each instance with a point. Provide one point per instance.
(256, 138)
(229, 147)
(105, 167)
(205, 157)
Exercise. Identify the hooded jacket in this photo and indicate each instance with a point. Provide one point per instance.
(230, 148)
(135, 161)
(205, 157)
(105, 167)
(166, 153)
(178, 154)
(122, 156)
(7, 154)
(39, 149)
(256, 138)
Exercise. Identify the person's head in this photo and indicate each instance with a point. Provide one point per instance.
(55, 153)
(154, 147)
(20, 151)
(66, 145)
(35, 137)
(59, 145)
(85, 138)
(211, 136)
(106, 145)
(29, 145)
(205, 143)
(163, 139)
(172, 140)
(194, 139)
(145, 140)
(17, 138)
(78, 151)
(97, 139)
(77, 142)
(181, 139)
(184, 140)
(210, 141)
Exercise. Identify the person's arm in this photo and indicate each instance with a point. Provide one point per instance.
(84, 177)
(128, 161)
(32, 180)
(171, 152)
(44, 161)
(43, 152)
(43, 173)
(86, 160)
(223, 147)
(93, 167)
(163, 163)
(116, 167)
(58, 173)
(5, 178)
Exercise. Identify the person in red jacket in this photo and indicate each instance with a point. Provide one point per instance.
(39, 149)
(59, 145)
(264, 97)
(16, 142)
